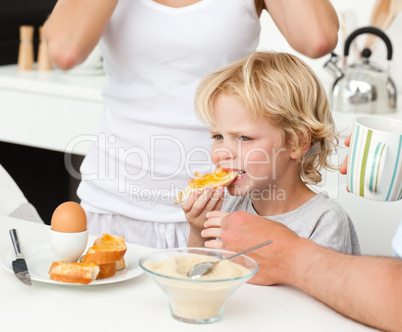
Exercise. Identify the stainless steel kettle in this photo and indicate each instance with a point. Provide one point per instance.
(362, 87)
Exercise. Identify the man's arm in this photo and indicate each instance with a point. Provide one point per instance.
(364, 288)
(367, 289)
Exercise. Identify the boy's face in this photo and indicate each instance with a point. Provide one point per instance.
(251, 147)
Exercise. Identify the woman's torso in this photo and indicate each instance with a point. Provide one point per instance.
(150, 141)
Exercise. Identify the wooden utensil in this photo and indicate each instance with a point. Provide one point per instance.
(384, 13)
(25, 52)
(44, 63)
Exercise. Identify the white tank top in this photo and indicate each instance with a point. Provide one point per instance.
(150, 142)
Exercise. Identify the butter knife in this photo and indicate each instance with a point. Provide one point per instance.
(19, 265)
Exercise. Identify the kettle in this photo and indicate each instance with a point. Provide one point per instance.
(362, 87)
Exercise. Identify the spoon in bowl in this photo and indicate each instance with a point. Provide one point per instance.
(202, 268)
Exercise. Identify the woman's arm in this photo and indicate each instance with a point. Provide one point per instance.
(309, 26)
(74, 29)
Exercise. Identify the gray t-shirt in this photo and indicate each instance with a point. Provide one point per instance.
(321, 220)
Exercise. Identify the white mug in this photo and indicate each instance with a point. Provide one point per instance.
(375, 158)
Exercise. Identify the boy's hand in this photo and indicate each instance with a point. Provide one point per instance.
(213, 229)
(199, 204)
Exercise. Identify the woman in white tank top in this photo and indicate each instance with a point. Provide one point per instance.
(149, 142)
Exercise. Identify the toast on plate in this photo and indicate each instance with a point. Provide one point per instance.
(106, 270)
(119, 265)
(101, 261)
(75, 273)
(106, 249)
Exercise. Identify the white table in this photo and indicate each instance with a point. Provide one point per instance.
(139, 305)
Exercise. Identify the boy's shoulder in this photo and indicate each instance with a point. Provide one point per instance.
(320, 206)
(321, 209)
(323, 206)
(332, 226)
(237, 203)
(322, 201)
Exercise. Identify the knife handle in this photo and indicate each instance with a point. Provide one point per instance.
(15, 240)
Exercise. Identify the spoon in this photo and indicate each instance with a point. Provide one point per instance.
(204, 267)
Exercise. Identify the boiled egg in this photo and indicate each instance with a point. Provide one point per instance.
(69, 217)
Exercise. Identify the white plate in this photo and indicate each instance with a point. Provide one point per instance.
(39, 258)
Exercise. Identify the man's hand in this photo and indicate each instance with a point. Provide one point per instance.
(242, 230)
(344, 167)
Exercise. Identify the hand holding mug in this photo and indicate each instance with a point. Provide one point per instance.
(344, 167)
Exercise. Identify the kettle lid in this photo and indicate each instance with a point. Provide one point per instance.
(365, 64)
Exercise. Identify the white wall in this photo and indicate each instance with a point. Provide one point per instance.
(353, 14)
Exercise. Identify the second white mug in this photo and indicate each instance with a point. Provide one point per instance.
(375, 158)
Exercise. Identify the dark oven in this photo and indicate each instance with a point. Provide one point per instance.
(15, 13)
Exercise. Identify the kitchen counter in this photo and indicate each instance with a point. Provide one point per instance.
(49, 109)
(139, 304)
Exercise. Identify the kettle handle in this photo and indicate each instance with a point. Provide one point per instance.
(371, 30)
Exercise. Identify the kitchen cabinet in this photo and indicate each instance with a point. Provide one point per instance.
(50, 109)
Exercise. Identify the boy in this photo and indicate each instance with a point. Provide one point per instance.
(270, 122)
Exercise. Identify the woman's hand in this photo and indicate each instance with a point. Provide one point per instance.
(196, 208)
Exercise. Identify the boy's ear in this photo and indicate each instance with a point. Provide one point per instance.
(304, 145)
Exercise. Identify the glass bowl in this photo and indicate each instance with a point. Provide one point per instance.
(200, 300)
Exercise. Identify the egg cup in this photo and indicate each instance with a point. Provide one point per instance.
(68, 246)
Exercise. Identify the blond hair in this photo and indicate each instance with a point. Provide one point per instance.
(284, 90)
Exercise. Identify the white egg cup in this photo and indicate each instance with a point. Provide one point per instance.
(68, 246)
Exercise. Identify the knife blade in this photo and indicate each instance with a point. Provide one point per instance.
(20, 267)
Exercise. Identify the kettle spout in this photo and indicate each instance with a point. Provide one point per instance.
(332, 67)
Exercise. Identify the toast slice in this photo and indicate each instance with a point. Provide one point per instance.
(106, 249)
(121, 264)
(106, 270)
(217, 178)
(74, 273)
